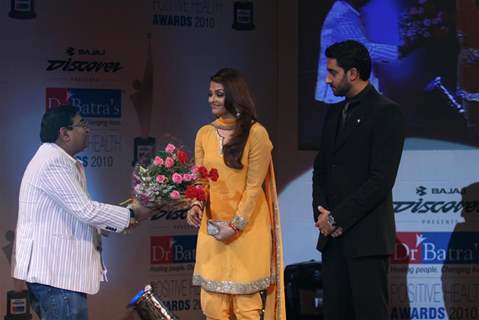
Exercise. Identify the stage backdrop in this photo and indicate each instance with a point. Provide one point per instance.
(137, 70)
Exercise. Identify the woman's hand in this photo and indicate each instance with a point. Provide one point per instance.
(194, 215)
(225, 233)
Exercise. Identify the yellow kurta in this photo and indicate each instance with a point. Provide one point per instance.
(241, 264)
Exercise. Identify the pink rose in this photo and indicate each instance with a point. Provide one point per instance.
(177, 178)
(194, 172)
(160, 178)
(170, 148)
(158, 161)
(174, 195)
(188, 177)
(169, 162)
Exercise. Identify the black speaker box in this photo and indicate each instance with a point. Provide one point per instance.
(304, 291)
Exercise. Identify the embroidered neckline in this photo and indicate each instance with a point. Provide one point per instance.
(220, 141)
(223, 124)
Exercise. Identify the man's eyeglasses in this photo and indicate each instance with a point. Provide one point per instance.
(82, 124)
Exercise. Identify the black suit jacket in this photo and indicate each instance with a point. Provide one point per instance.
(355, 170)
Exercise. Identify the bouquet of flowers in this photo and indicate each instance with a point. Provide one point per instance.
(171, 181)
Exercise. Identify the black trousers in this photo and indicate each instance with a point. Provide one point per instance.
(354, 288)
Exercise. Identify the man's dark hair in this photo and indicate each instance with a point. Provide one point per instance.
(54, 119)
(351, 54)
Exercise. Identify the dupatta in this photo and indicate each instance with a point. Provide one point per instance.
(275, 308)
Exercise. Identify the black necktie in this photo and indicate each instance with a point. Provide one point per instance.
(344, 114)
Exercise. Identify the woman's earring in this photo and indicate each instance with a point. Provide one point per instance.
(237, 114)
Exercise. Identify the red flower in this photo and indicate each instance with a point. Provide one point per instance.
(182, 156)
(213, 175)
(203, 172)
(190, 192)
(200, 194)
(195, 192)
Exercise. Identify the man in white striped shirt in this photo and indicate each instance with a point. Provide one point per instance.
(58, 240)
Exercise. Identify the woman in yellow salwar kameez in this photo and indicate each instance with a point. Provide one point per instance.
(239, 261)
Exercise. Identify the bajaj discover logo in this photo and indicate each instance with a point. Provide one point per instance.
(83, 63)
(438, 200)
(421, 191)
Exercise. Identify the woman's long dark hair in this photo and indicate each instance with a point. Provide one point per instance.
(240, 103)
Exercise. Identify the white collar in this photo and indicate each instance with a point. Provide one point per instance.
(56, 146)
(350, 7)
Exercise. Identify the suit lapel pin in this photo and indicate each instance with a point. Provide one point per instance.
(358, 121)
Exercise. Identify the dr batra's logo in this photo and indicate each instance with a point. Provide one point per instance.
(172, 249)
(92, 103)
(436, 248)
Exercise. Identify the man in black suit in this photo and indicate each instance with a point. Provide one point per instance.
(353, 177)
